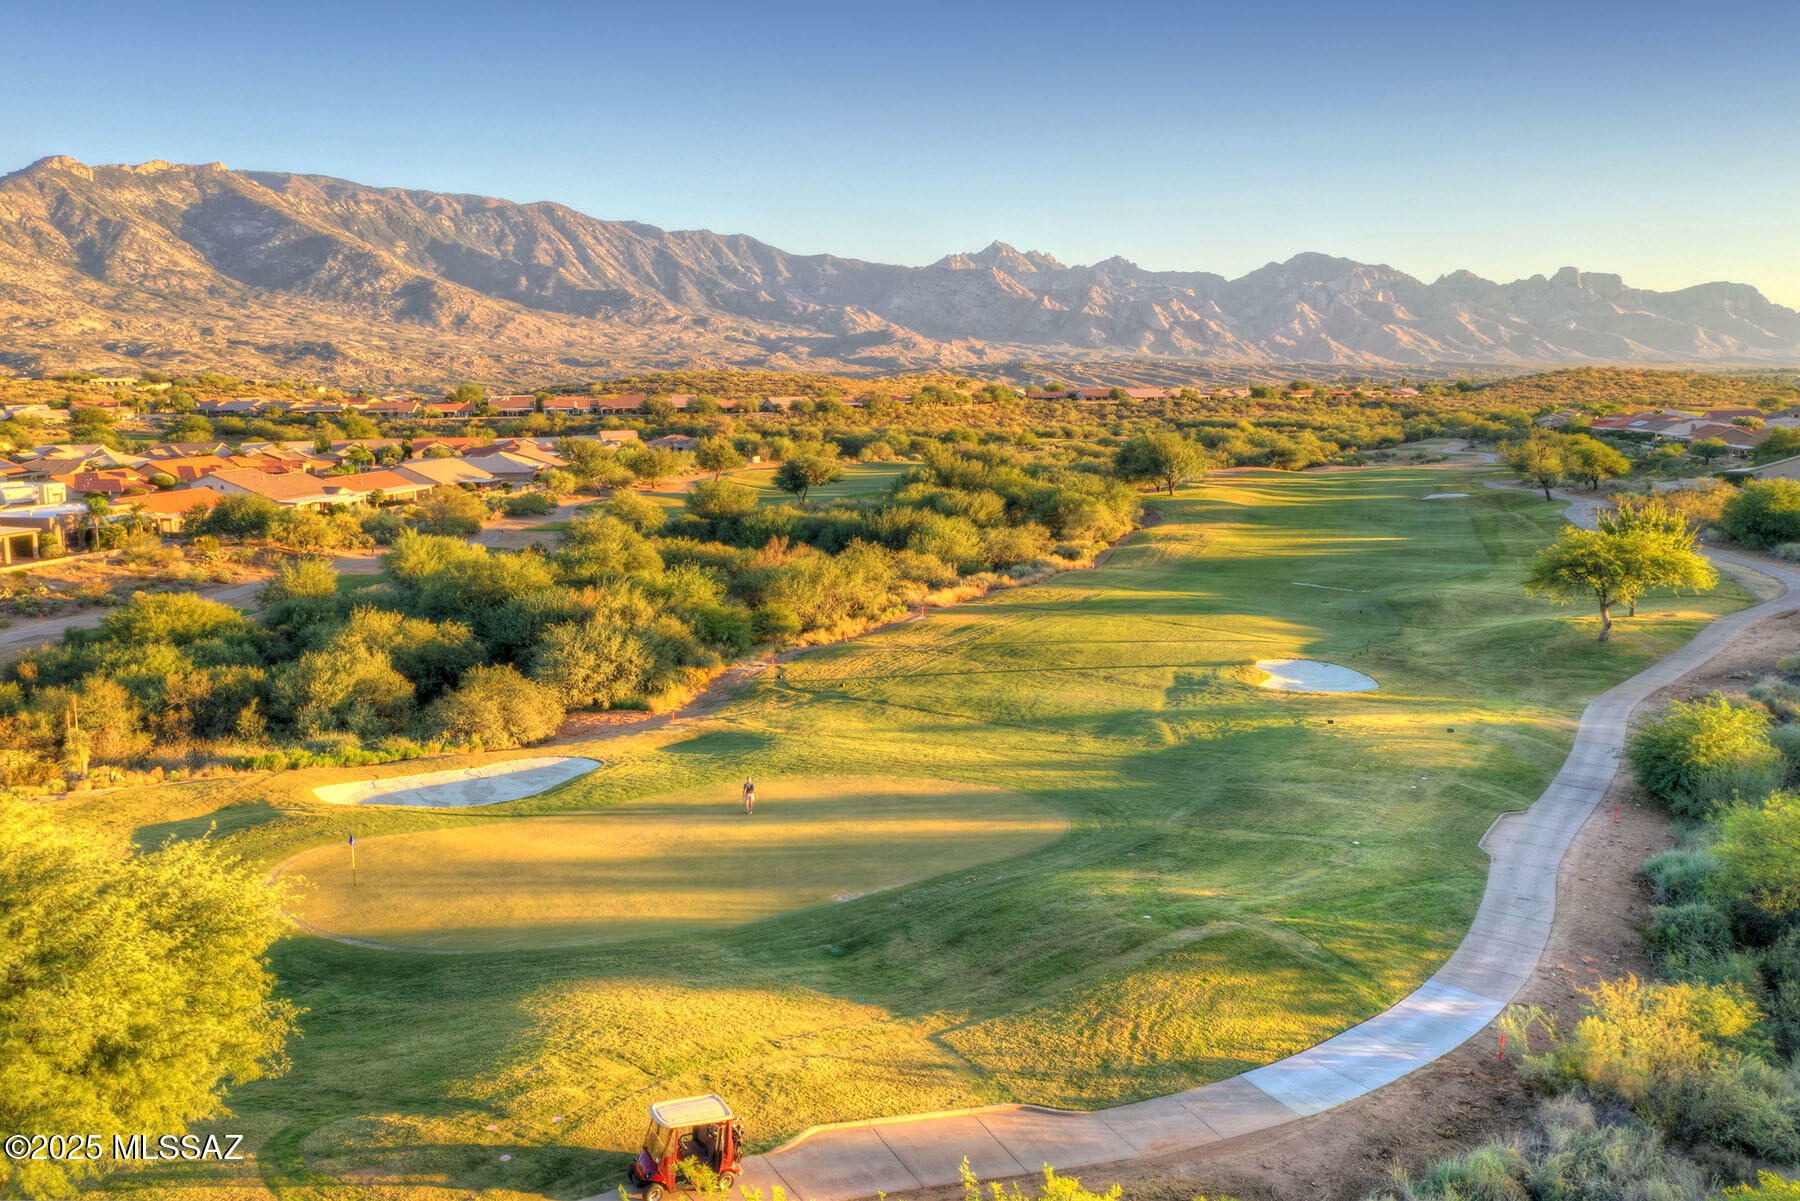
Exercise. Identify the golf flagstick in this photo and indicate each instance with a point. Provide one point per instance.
(352, 861)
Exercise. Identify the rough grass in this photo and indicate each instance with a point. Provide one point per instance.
(679, 863)
(1245, 871)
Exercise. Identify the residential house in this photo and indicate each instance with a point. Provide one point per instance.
(173, 509)
(449, 473)
(516, 404)
(629, 402)
(506, 466)
(393, 485)
(400, 406)
(443, 410)
(674, 442)
(290, 490)
(568, 405)
(1780, 469)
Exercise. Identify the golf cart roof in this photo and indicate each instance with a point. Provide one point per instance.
(690, 1111)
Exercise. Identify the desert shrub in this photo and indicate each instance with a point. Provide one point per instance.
(1758, 852)
(1788, 665)
(497, 707)
(1686, 1057)
(528, 504)
(238, 517)
(1688, 929)
(1763, 513)
(1768, 1187)
(637, 511)
(310, 530)
(455, 512)
(1786, 739)
(384, 526)
(1680, 876)
(1780, 697)
(1703, 753)
(173, 617)
(1571, 1156)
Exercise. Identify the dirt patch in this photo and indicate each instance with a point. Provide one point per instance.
(1470, 1095)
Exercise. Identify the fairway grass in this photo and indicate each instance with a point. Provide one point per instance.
(1245, 871)
(671, 864)
(859, 481)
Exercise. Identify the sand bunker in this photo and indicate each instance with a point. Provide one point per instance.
(490, 784)
(1445, 495)
(1310, 675)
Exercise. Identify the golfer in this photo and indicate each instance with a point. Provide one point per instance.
(749, 796)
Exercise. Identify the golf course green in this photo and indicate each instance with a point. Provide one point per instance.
(688, 861)
(1155, 873)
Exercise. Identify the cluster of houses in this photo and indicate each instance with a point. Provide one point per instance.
(49, 486)
(1681, 426)
(1108, 392)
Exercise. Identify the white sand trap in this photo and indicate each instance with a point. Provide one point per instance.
(512, 780)
(1310, 675)
(1445, 495)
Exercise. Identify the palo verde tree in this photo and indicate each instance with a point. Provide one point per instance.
(805, 471)
(1664, 547)
(1620, 564)
(1539, 459)
(1168, 460)
(133, 990)
(718, 456)
(1590, 460)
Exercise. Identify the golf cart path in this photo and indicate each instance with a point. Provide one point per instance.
(1496, 957)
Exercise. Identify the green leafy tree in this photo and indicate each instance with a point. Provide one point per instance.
(718, 456)
(805, 471)
(1708, 449)
(1780, 444)
(1539, 459)
(1612, 568)
(1662, 547)
(134, 992)
(1167, 460)
(1590, 460)
(468, 394)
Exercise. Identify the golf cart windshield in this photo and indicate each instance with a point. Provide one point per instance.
(660, 1141)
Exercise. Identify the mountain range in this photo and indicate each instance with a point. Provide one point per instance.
(273, 274)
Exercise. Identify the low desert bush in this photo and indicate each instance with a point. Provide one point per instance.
(1701, 754)
(1571, 1156)
(1688, 1058)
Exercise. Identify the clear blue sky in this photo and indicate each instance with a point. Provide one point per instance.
(1658, 141)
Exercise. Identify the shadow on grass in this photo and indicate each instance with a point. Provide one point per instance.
(228, 820)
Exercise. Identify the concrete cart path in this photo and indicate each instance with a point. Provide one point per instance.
(1499, 953)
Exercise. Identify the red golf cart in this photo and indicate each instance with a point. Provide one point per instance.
(697, 1128)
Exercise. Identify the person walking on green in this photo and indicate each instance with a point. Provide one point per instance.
(749, 795)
